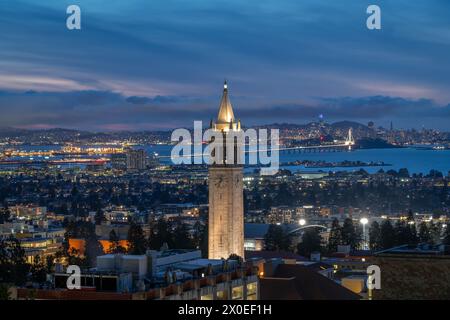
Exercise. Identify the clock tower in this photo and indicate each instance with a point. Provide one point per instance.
(226, 203)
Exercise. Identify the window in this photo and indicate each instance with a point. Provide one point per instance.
(221, 295)
(207, 297)
(252, 290)
(237, 293)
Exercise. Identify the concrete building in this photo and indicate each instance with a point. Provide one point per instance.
(160, 275)
(27, 212)
(103, 230)
(281, 214)
(226, 204)
(176, 210)
(254, 234)
(414, 273)
(136, 159)
(119, 161)
(35, 241)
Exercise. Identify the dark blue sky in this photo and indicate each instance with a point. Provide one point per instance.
(140, 64)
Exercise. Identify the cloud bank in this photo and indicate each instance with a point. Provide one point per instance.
(105, 110)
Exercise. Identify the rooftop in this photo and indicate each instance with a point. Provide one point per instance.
(420, 249)
(274, 254)
(295, 282)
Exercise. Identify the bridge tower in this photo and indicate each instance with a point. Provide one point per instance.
(350, 141)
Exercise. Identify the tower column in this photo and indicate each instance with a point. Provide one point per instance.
(226, 196)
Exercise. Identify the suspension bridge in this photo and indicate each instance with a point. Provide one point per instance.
(346, 145)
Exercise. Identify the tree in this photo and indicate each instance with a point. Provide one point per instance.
(199, 231)
(446, 239)
(375, 236)
(4, 292)
(236, 257)
(403, 173)
(335, 237)
(4, 215)
(424, 233)
(13, 266)
(410, 217)
(435, 174)
(202, 242)
(413, 238)
(283, 194)
(115, 243)
(38, 270)
(136, 239)
(392, 172)
(75, 257)
(387, 239)
(435, 233)
(311, 242)
(49, 263)
(161, 234)
(86, 231)
(181, 237)
(277, 239)
(74, 191)
(63, 209)
(405, 233)
(99, 217)
(92, 249)
(349, 234)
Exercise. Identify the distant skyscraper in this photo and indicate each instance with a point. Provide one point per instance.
(136, 159)
(119, 161)
(226, 204)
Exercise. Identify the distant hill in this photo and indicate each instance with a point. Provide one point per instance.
(62, 135)
(336, 125)
(349, 124)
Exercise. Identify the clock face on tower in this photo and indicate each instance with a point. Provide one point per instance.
(219, 181)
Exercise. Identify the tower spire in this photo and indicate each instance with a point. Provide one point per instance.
(225, 115)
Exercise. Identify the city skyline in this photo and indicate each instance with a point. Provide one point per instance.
(224, 151)
(134, 67)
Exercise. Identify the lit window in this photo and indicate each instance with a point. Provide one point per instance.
(221, 295)
(237, 293)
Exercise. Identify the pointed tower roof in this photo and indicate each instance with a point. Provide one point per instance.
(226, 114)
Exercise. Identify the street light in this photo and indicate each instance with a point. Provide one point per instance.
(302, 222)
(364, 221)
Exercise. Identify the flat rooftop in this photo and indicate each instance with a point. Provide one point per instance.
(172, 252)
(421, 249)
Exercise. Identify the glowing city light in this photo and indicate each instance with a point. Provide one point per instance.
(364, 221)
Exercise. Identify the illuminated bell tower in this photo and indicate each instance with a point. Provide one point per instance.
(226, 203)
